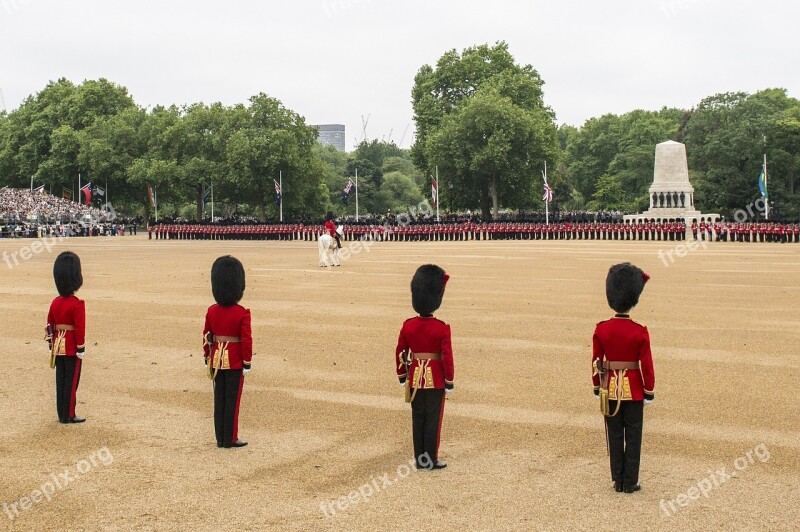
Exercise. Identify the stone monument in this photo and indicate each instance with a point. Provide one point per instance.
(671, 194)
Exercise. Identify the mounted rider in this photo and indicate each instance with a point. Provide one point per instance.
(330, 228)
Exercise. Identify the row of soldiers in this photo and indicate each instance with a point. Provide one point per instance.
(722, 231)
(657, 230)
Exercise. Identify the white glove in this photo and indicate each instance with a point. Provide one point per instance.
(80, 355)
(597, 396)
(448, 391)
(647, 401)
(245, 371)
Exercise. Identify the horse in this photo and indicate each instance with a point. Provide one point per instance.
(327, 243)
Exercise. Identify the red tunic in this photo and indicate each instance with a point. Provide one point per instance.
(623, 340)
(230, 321)
(69, 311)
(330, 227)
(426, 335)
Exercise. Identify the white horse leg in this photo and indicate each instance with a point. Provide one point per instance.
(323, 252)
(335, 254)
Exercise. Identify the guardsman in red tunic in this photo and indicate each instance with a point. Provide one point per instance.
(330, 228)
(424, 363)
(623, 375)
(227, 347)
(65, 333)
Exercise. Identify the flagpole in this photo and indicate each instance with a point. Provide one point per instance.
(438, 194)
(31, 183)
(280, 185)
(546, 203)
(356, 194)
(106, 194)
(212, 201)
(155, 201)
(79, 186)
(766, 193)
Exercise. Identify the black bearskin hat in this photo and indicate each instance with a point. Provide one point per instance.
(427, 289)
(227, 280)
(329, 217)
(624, 285)
(67, 273)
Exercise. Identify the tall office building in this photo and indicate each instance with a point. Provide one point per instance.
(332, 135)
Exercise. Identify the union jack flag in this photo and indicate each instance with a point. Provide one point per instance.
(548, 192)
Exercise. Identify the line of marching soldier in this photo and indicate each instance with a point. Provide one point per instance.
(656, 230)
(226, 232)
(668, 230)
(764, 231)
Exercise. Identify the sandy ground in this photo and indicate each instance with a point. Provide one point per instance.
(325, 417)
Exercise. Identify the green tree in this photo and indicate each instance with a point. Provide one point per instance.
(786, 142)
(333, 169)
(481, 119)
(42, 140)
(609, 194)
(197, 142)
(403, 193)
(274, 139)
(490, 151)
(622, 147)
(108, 148)
(155, 167)
(727, 136)
(377, 151)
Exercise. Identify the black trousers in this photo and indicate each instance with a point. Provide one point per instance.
(68, 376)
(625, 441)
(427, 410)
(227, 394)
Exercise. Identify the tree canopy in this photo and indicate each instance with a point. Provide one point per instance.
(482, 122)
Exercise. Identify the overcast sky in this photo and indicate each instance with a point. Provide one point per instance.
(334, 61)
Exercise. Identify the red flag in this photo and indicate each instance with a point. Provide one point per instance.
(87, 194)
(434, 192)
(150, 196)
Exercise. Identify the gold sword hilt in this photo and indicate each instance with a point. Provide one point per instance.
(213, 371)
(55, 347)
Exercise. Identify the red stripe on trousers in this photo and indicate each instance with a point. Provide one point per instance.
(236, 411)
(439, 433)
(76, 378)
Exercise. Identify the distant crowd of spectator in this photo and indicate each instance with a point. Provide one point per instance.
(34, 213)
(23, 206)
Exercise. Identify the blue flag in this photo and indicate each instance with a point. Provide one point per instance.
(762, 183)
(206, 192)
(278, 193)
